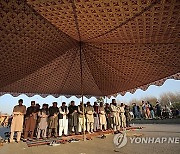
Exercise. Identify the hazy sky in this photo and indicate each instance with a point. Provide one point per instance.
(7, 102)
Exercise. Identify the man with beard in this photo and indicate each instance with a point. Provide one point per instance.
(73, 118)
(30, 120)
(63, 119)
(53, 119)
(17, 122)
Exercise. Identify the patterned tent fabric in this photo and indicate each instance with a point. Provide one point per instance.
(125, 45)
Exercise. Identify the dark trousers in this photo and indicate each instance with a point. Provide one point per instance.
(71, 126)
(52, 131)
(109, 122)
(127, 122)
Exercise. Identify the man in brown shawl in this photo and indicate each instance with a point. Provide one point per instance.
(30, 120)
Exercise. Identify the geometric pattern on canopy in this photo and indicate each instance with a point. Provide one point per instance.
(125, 45)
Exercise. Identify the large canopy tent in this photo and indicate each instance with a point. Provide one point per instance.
(90, 47)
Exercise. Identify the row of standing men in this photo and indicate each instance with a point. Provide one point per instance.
(53, 121)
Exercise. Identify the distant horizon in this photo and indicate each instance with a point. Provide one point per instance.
(170, 85)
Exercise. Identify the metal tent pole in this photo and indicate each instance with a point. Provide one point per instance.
(82, 90)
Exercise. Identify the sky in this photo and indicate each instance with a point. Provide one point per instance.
(7, 102)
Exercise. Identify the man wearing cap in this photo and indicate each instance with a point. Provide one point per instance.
(17, 122)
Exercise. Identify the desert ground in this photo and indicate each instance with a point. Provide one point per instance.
(106, 146)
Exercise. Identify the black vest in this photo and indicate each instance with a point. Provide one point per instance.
(64, 110)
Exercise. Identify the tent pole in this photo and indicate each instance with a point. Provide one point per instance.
(82, 91)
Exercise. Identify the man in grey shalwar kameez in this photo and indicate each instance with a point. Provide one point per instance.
(43, 121)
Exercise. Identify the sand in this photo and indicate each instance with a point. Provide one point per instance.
(106, 146)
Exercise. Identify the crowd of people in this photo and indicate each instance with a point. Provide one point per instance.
(57, 121)
(148, 111)
(54, 121)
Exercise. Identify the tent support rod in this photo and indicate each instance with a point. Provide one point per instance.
(82, 90)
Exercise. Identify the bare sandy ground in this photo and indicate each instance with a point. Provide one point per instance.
(106, 146)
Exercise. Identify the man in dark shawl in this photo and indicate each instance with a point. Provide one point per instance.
(73, 118)
(108, 116)
(30, 120)
(128, 116)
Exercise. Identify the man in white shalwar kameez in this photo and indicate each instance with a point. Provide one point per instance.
(90, 118)
(115, 115)
(102, 117)
(17, 122)
(63, 119)
(122, 116)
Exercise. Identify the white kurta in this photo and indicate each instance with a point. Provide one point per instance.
(123, 117)
(18, 118)
(63, 123)
(81, 120)
(90, 118)
(102, 116)
(89, 114)
(115, 114)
